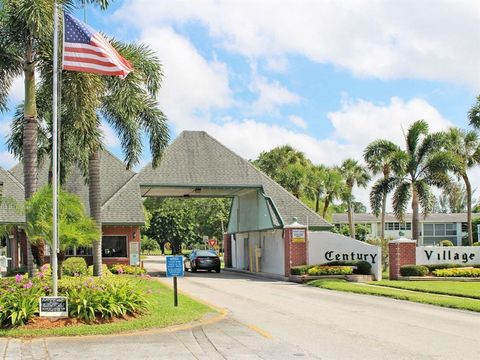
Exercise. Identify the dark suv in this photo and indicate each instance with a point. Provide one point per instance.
(202, 260)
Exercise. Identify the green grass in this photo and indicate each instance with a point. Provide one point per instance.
(454, 288)
(420, 297)
(162, 313)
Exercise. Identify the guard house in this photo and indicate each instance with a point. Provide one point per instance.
(267, 229)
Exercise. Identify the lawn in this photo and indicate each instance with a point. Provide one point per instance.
(455, 288)
(400, 294)
(161, 314)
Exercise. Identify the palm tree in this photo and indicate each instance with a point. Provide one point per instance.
(465, 149)
(26, 30)
(378, 156)
(353, 174)
(414, 171)
(332, 188)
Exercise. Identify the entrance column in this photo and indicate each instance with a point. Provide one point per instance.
(296, 245)
(227, 250)
(401, 252)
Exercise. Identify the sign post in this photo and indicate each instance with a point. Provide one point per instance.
(175, 268)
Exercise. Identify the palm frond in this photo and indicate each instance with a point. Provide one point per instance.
(415, 131)
(401, 196)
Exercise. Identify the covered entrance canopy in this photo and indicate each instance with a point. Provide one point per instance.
(197, 165)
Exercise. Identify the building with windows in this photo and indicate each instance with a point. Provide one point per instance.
(433, 229)
(122, 209)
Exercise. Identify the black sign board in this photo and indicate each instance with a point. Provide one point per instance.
(54, 306)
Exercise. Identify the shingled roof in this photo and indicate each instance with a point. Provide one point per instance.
(121, 204)
(197, 159)
(11, 188)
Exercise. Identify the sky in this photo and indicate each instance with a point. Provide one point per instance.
(325, 76)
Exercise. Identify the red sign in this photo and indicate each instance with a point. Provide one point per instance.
(212, 242)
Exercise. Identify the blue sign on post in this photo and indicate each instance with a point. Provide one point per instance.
(174, 265)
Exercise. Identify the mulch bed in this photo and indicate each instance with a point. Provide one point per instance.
(50, 323)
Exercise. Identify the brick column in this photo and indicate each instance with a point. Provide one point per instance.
(227, 250)
(296, 252)
(401, 252)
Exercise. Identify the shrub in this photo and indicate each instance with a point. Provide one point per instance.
(74, 266)
(476, 243)
(459, 272)
(19, 299)
(148, 244)
(362, 267)
(120, 269)
(434, 267)
(90, 298)
(413, 270)
(300, 270)
(330, 270)
(19, 270)
(446, 243)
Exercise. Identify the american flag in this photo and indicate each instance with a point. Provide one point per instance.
(86, 50)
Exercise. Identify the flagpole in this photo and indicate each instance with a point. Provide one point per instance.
(53, 252)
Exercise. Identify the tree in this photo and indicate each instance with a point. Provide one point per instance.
(129, 105)
(173, 226)
(274, 162)
(378, 156)
(26, 31)
(464, 147)
(294, 178)
(453, 199)
(75, 227)
(353, 174)
(423, 164)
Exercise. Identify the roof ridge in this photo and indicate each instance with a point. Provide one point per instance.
(13, 178)
(119, 189)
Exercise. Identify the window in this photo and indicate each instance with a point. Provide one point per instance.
(114, 246)
(79, 251)
(428, 229)
(450, 229)
(439, 229)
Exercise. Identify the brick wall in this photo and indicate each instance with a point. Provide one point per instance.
(227, 250)
(295, 252)
(401, 252)
(132, 233)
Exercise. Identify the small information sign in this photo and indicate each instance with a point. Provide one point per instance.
(174, 265)
(212, 242)
(134, 253)
(298, 235)
(56, 306)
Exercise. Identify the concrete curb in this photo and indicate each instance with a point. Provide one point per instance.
(258, 275)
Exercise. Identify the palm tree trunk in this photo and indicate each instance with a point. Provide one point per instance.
(30, 141)
(415, 216)
(325, 207)
(350, 218)
(317, 203)
(384, 209)
(468, 187)
(95, 207)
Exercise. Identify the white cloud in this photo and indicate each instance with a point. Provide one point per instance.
(383, 39)
(17, 91)
(192, 85)
(359, 122)
(271, 94)
(7, 160)
(110, 138)
(298, 121)
(5, 127)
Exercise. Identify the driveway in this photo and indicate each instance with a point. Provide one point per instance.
(334, 325)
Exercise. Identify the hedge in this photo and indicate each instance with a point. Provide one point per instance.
(434, 267)
(446, 243)
(300, 270)
(362, 267)
(74, 266)
(330, 270)
(413, 270)
(457, 272)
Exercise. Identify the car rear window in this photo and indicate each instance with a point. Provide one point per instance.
(209, 253)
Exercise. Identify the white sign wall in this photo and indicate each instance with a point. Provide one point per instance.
(463, 255)
(326, 246)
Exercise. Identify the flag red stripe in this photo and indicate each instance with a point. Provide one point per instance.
(79, 59)
(95, 71)
(83, 51)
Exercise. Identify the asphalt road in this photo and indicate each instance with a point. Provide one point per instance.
(333, 325)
